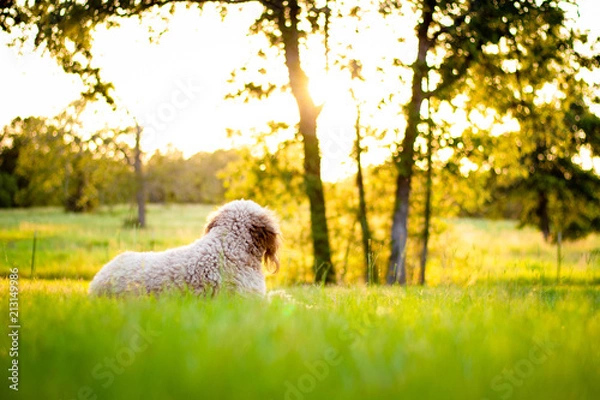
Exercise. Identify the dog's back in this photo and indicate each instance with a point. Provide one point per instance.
(141, 273)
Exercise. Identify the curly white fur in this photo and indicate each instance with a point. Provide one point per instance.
(228, 257)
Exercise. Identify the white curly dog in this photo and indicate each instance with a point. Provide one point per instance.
(228, 257)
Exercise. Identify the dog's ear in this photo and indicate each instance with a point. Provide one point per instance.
(213, 219)
(267, 237)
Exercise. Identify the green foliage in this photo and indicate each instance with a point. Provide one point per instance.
(54, 161)
(273, 177)
(66, 30)
(8, 189)
(40, 161)
(172, 178)
(534, 170)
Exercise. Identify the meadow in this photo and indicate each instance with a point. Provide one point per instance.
(464, 252)
(493, 322)
(75, 246)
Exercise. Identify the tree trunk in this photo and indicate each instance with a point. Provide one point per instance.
(75, 201)
(428, 188)
(396, 267)
(404, 160)
(371, 276)
(542, 214)
(140, 195)
(558, 255)
(287, 20)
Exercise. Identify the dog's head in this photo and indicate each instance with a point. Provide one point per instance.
(248, 219)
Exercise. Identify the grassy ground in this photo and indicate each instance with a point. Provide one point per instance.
(475, 250)
(493, 324)
(76, 246)
(492, 342)
(467, 252)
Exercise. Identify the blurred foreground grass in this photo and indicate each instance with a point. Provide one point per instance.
(496, 341)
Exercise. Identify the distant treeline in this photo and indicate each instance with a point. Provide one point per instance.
(172, 178)
(43, 164)
(55, 162)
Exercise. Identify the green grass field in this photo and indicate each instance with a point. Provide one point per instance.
(76, 246)
(495, 342)
(467, 252)
(492, 324)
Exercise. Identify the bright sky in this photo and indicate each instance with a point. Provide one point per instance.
(175, 87)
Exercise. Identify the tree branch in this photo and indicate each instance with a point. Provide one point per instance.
(447, 29)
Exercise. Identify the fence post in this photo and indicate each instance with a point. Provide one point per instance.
(33, 253)
(558, 255)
